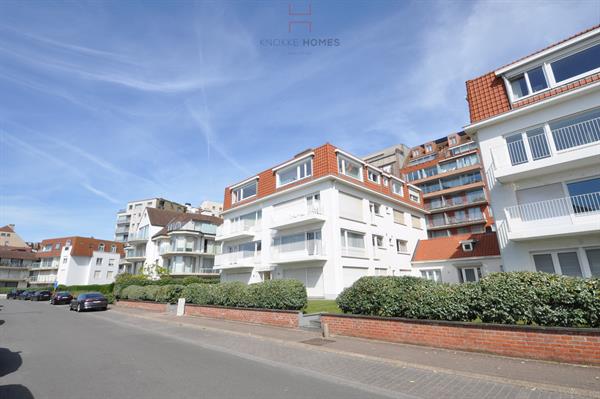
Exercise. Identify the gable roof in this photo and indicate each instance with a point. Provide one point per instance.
(80, 246)
(8, 252)
(443, 248)
(7, 229)
(186, 217)
(161, 217)
(487, 95)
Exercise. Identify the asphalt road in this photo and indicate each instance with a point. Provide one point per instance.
(49, 352)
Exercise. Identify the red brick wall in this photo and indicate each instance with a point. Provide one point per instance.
(277, 318)
(561, 344)
(151, 306)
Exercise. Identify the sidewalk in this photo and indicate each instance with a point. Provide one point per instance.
(529, 374)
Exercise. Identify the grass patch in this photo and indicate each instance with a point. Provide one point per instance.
(322, 305)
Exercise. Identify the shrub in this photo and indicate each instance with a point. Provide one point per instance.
(506, 298)
(199, 294)
(134, 292)
(150, 292)
(232, 293)
(278, 294)
(169, 293)
(110, 298)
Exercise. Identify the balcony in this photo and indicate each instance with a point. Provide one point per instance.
(42, 279)
(238, 230)
(298, 252)
(555, 147)
(138, 237)
(172, 250)
(133, 255)
(197, 271)
(352, 252)
(122, 230)
(13, 265)
(237, 260)
(455, 221)
(566, 216)
(123, 220)
(296, 217)
(456, 202)
(44, 265)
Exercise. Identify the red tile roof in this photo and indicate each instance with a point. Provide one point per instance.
(161, 217)
(186, 217)
(442, 248)
(80, 246)
(7, 229)
(8, 252)
(487, 96)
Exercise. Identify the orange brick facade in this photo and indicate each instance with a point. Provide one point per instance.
(278, 318)
(570, 345)
(324, 164)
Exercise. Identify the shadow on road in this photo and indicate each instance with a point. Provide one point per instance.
(9, 363)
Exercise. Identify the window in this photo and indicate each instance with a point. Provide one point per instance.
(101, 247)
(68, 243)
(414, 195)
(65, 260)
(377, 241)
(452, 140)
(569, 264)
(353, 243)
(245, 191)
(428, 148)
(576, 64)
(96, 274)
(422, 159)
(397, 188)
(529, 82)
(295, 172)
(350, 207)
(113, 248)
(470, 274)
(111, 262)
(99, 261)
(109, 274)
(386, 181)
(433, 275)
(416, 222)
(415, 153)
(399, 217)
(593, 256)
(375, 208)
(401, 246)
(563, 262)
(585, 195)
(349, 168)
(57, 246)
(516, 149)
(467, 246)
(373, 176)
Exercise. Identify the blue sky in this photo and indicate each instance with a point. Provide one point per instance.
(105, 102)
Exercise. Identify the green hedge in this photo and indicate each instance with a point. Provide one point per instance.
(274, 294)
(505, 298)
(124, 280)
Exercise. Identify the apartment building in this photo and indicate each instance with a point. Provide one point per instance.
(76, 261)
(9, 238)
(537, 121)
(450, 174)
(128, 219)
(15, 263)
(390, 159)
(181, 242)
(325, 217)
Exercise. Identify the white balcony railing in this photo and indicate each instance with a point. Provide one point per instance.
(296, 214)
(135, 254)
(237, 259)
(243, 227)
(577, 134)
(44, 265)
(42, 279)
(187, 250)
(297, 251)
(354, 252)
(138, 236)
(568, 214)
(454, 220)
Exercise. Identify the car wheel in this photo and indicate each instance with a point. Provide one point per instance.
(79, 308)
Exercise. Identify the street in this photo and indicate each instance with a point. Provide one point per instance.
(49, 352)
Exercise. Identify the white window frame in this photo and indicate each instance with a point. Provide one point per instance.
(398, 249)
(97, 274)
(99, 261)
(477, 278)
(428, 148)
(345, 160)
(375, 174)
(397, 184)
(235, 198)
(412, 192)
(375, 208)
(344, 244)
(101, 247)
(452, 140)
(375, 240)
(581, 258)
(432, 271)
(301, 166)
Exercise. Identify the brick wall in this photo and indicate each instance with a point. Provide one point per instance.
(279, 318)
(151, 306)
(572, 345)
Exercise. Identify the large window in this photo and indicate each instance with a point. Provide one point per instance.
(397, 188)
(373, 175)
(433, 275)
(585, 195)
(353, 243)
(245, 191)
(401, 246)
(349, 168)
(295, 172)
(350, 207)
(562, 262)
(576, 64)
(529, 82)
(593, 256)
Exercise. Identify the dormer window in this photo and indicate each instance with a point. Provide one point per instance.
(101, 247)
(349, 168)
(529, 82)
(467, 245)
(428, 148)
(575, 65)
(294, 172)
(414, 195)
(244, 192)
(113, 248)
(373, 176)
(397, 188)
(415, 153)
(452, 140)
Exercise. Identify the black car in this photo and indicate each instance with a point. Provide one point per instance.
(14, 294)
(91, 300)
(41, 296)
(61, 298)
(25, 295)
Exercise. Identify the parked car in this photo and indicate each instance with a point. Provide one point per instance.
(61, 298)
(25, 295)
(14, 294)
(90, 300)
(41, 296)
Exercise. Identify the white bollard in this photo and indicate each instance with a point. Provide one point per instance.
(180, 306)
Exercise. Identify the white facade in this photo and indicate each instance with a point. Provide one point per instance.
(543, 168)
(129, 219)
(141, 250)
(326, 233)
(457, 270)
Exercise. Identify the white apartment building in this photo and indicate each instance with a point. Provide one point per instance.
(537, 121)
(76, 261)
(325, 218)
(181, 242)
(128, 219)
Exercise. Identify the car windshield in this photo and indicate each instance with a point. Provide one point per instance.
(92, 295)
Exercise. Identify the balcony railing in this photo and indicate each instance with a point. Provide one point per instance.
(354, 252)
(42, 279)
(577, 134)
(293, 215)
(238, 259)
(138, 236)
(239, 227)
(187, 250)
(456, 201)
(453, 220)
(7, 263)
(42, 265)
(195, 270)
(135, 254)
(298, 250)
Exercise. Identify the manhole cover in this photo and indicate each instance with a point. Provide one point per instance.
(317, 341)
